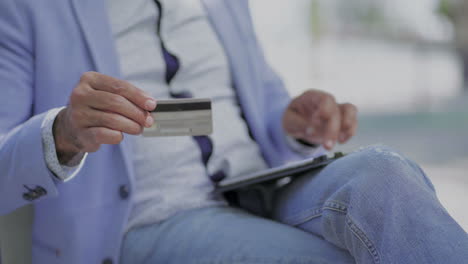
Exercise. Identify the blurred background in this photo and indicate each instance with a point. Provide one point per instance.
(401, 62)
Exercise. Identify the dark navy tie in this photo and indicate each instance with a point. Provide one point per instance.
(172, 66)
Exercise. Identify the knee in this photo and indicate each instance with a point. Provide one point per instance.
(381, 165)
(380, 159)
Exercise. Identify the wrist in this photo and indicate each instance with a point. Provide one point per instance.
(66, 151)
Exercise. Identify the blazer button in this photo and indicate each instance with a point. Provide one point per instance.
(124, 192)
(40, 191)
(107, 261)
(28, 197)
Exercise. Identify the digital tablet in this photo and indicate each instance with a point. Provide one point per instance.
(291, 169)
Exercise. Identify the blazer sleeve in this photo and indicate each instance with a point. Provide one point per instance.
(278, 99)
(24, 176)
(285, 149)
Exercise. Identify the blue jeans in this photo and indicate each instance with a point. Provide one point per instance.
(372, 206)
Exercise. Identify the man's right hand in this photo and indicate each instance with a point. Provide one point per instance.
(100, 109)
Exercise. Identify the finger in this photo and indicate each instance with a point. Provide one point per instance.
(94, 137)
(300, 128)
(327, 108)
(332, 124)
(331, 133)
(109, 84)
(346, 136)
(348, 122)
(118, 104)
(322, 113)
(113, 121)
(327, 118)
(313, 100)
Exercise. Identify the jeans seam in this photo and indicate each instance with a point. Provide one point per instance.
(306, 215)
(364, 239)
(336, 206)
(296, 218)
(303, 216)
(341, 208)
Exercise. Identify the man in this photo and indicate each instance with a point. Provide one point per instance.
(149, 200)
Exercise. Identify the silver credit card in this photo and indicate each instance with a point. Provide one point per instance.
(181, 117)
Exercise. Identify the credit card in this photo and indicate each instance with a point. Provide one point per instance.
(181, 117)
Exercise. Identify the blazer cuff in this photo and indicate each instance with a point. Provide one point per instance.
(63, 173)
(305, 149)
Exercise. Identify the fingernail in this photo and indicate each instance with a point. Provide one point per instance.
(309, 131)
(149, 121)
(150, 104)
(342, 137)
(329, 144)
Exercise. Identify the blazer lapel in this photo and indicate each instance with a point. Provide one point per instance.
(93, 20)
(232, 24)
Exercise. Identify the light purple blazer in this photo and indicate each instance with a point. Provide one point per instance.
(45, 46)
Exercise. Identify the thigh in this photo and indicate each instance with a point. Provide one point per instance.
(226, 235)
(368, 202)
(371, 170)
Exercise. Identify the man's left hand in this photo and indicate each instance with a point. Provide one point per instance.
(317, 118)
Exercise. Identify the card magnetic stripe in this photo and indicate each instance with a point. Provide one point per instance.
(176, 107)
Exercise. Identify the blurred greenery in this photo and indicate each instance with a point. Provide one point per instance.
(365, 13)
(371, 16)
(445, 8)
(316, 24)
